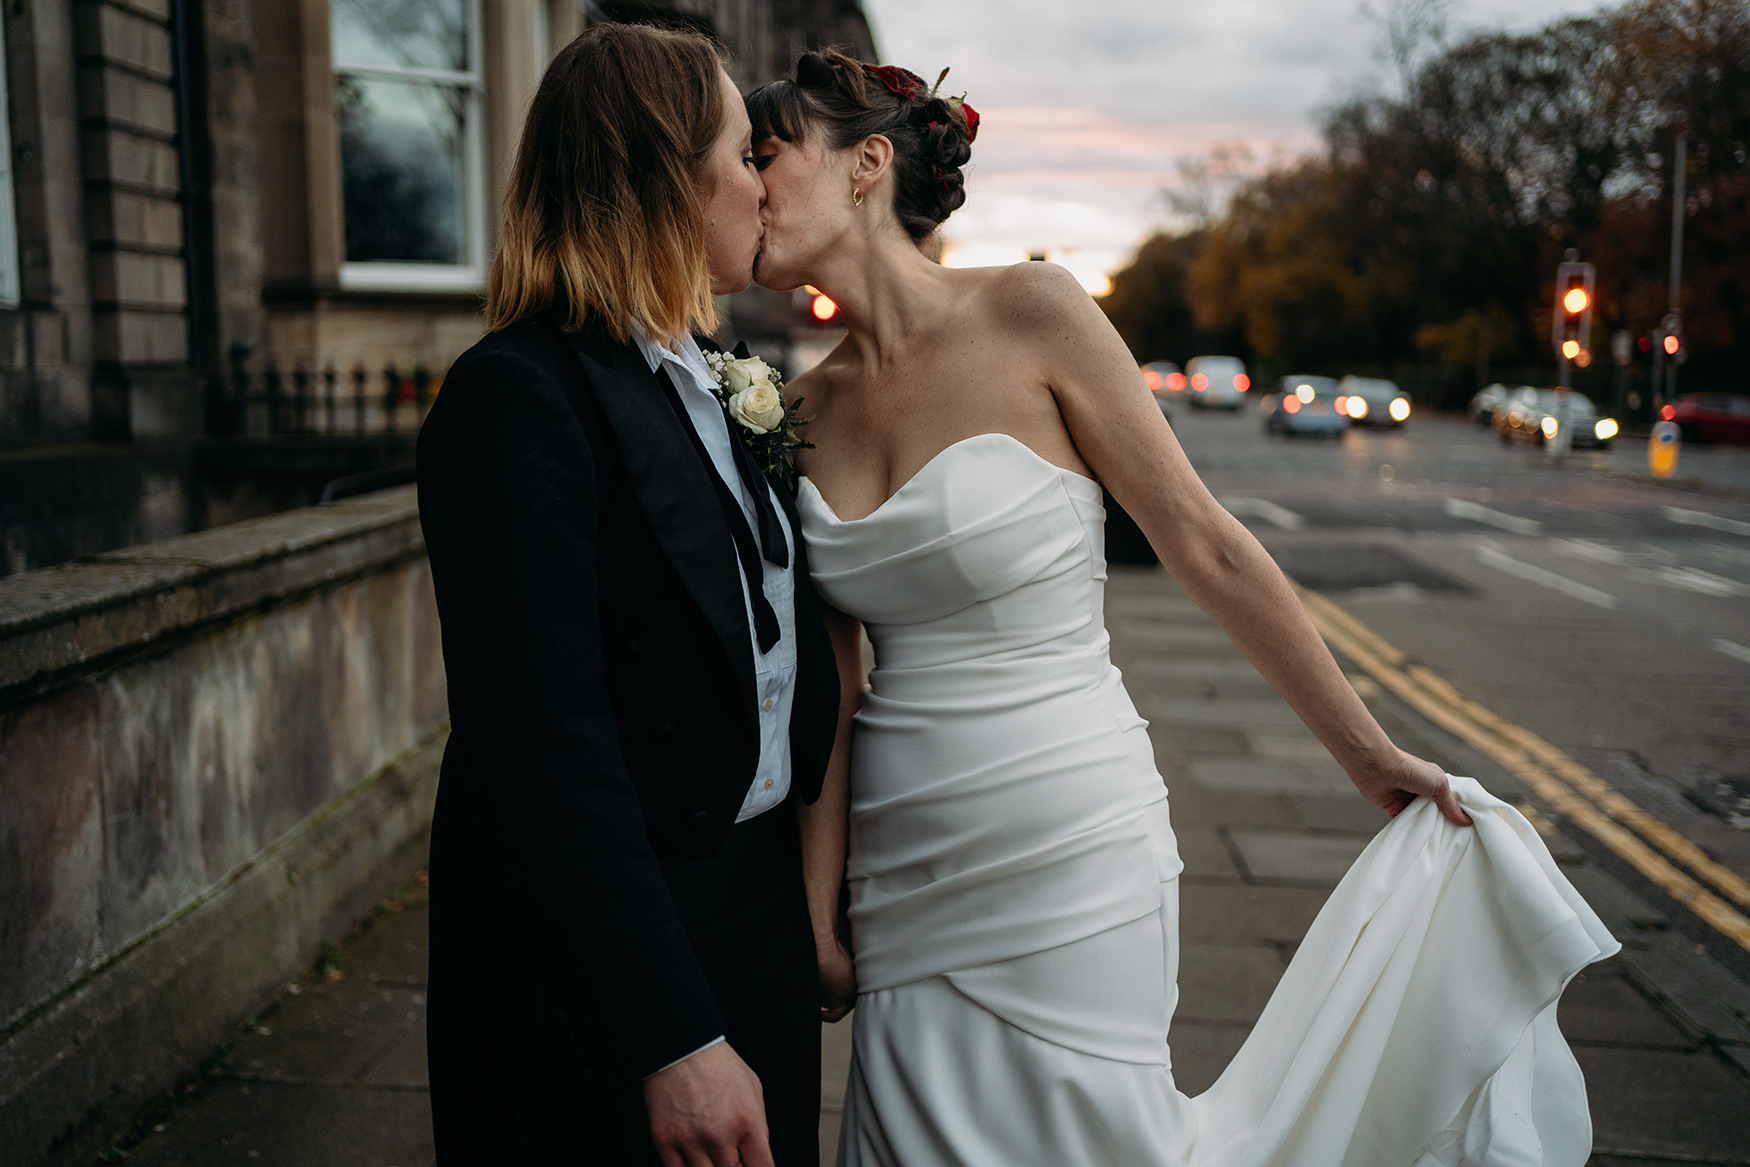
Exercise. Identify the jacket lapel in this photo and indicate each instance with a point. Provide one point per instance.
(677, 498)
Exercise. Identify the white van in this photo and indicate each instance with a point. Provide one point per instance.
(1216, 382)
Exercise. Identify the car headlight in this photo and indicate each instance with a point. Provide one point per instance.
(1355, 406)
(1549, 427)
(1400, 408)
(1605, 429)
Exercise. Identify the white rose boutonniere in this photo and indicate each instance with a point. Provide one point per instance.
(759, 407)
(737, 373)
(752, 394)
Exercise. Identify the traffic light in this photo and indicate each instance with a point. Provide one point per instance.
(1668, 340)
(1571, 333)
(817, 308)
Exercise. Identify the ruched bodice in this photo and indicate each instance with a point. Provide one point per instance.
(1005, 799)
(1012, 526)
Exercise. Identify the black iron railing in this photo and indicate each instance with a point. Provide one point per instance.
(275, 398)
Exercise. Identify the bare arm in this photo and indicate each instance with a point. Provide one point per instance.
(825, 825)
(1120, 433)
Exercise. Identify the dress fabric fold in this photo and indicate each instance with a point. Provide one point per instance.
(1013, 885)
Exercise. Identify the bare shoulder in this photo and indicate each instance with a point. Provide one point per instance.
(1044, 310)
(1036, 293)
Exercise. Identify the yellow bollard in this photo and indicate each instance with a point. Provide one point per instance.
(1662, 449)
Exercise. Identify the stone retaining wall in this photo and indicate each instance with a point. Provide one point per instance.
(216, 752)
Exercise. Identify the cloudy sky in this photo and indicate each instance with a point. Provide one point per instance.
(1089, 107)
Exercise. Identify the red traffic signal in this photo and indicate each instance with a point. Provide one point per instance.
(1668, 339)
(815, 306)
(1571, 328)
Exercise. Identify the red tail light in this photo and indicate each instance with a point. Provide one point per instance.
(1291, 404)
(1667, 412)
(1175, 381)
(1199, 382)
(1242, 382)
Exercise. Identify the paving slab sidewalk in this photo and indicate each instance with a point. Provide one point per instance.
(1268, 824)
(334, 1073)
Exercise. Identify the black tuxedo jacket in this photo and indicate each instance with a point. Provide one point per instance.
(602, 703)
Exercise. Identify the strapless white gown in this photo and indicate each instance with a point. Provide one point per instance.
(1013, 879)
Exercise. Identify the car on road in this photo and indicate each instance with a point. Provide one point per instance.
(1482, 406)
(1217, 382)
(1711, 417)
(1305, 404)
(1511, 408)
(1163, 378)
(1536, 421)
(1372, 401)
(1165, 381)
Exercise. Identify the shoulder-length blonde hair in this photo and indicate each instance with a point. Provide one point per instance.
(604, 218)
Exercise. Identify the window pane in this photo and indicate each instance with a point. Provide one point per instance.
(415, 34)
(403, 182)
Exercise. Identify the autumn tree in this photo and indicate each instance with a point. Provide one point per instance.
(1425, 236)
(1149, 308)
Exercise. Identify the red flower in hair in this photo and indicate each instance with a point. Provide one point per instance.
(901, 81)
(910, 87)
(971, 116)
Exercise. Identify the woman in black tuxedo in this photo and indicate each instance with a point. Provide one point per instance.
(642, 693)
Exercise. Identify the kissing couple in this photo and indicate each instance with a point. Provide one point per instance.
(678, 825)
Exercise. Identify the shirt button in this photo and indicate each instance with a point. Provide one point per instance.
(769, 704)
(768, 783)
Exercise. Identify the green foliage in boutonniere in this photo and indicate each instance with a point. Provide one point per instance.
(752, 394)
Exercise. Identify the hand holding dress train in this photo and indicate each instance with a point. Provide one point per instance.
(1013, 879)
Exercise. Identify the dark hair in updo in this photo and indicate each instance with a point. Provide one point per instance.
(837, 93)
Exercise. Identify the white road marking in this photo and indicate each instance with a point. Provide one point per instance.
(1263, 508)
(1724, 551)
(1693, 579)
(1459, 508)
(1500, 561)
(1596, 552)
(1735, 651)
(1703, 519)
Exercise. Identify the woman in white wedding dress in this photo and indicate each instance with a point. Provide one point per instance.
(995, 812)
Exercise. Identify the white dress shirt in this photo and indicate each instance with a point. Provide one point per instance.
(774, 671)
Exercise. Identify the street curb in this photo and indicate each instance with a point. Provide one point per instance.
(1689, 485)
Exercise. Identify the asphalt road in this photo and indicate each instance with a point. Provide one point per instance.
(1606, 614)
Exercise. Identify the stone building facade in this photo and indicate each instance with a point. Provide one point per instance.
(198, 189)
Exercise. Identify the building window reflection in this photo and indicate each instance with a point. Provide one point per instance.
(407, 99)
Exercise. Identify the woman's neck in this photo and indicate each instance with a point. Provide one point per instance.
(887, 293)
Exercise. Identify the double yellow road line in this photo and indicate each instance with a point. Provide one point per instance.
(1677, 866)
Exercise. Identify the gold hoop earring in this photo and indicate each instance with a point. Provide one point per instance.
(857, 196)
